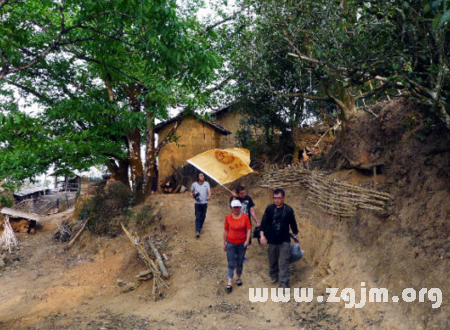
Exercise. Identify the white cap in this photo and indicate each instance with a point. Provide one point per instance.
(236, 203)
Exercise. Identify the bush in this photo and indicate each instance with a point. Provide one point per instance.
(107, 208)
(145, 216)
(6, 200)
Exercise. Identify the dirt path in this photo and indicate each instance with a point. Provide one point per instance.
(49, 289)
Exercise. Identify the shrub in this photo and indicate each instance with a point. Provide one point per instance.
(6, 200)
(145, 216)
(107, 208)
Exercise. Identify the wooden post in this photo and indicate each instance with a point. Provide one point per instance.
(76, 236)
(163, 269)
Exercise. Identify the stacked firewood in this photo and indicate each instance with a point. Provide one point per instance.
(332, 197)
(343, 199)
(290, 176)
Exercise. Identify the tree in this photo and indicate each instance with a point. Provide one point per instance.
(101, 96)
(361, 49)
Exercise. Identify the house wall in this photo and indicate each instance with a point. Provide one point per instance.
(194, 137)
(231, 121)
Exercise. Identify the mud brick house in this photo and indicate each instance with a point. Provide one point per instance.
(195, 135)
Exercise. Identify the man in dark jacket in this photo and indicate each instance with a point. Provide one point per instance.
(275, 224)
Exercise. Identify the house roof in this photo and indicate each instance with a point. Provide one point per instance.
(30, 190)
(220, 111)
(213, 124)
(19, 214)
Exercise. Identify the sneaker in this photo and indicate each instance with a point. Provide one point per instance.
(273, 280)
(245, 259)
(197, 234)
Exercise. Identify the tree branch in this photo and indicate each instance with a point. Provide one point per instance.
(169, 135)
(3, 2)
(31, 91)
(229, 18)
(305, 96)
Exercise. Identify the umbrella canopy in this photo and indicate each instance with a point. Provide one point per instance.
(223, 165)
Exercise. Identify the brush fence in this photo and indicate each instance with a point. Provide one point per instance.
(332, 197)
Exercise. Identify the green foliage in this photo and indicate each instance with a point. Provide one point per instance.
(107, 208)
(6, 200)
(361, 49)
(117, 68)
(145, 216)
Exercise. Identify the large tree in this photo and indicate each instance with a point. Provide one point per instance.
(359, 49)
(101, 96)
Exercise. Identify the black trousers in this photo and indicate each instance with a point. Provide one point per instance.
(200, 215)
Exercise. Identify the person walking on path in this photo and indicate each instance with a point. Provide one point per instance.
(236, 238)
(201, 192)
(248, 206)
(277, 219)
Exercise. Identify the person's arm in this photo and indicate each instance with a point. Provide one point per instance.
(249, 233)
(293, 225)
(253, 214)
(191, 193)
(248, 226)
(262, 228)
(209, 195)
(225, 234)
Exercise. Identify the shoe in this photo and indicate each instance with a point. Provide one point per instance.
(239, 282)
(273, 280)
(228, 288)
(245, 259)
(284, 285)
(197, 234)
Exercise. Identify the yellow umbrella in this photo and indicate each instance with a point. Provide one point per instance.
(223, 165)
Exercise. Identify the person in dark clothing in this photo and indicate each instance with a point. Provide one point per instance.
(248, 206)
(277, 219)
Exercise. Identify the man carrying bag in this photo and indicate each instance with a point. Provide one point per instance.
(276, 222)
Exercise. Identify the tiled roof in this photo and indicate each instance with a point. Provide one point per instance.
(215, 125)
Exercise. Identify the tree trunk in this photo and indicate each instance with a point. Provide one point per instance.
(134, 145)
(120, 173)
(150, 155)
(135, 161)
(347, 102)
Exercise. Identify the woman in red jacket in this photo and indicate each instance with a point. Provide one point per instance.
(236, 238)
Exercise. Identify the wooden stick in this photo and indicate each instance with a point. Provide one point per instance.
(163, 269)
(157, 280)
(78, 234)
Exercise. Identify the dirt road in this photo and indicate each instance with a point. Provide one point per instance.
(49, 289)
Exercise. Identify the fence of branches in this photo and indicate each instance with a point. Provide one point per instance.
(332, 197)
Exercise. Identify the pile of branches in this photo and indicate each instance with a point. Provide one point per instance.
(342, 199)
(290, 176)
(8, 240)
(65, 230)
(332, 197)
(158, 274)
